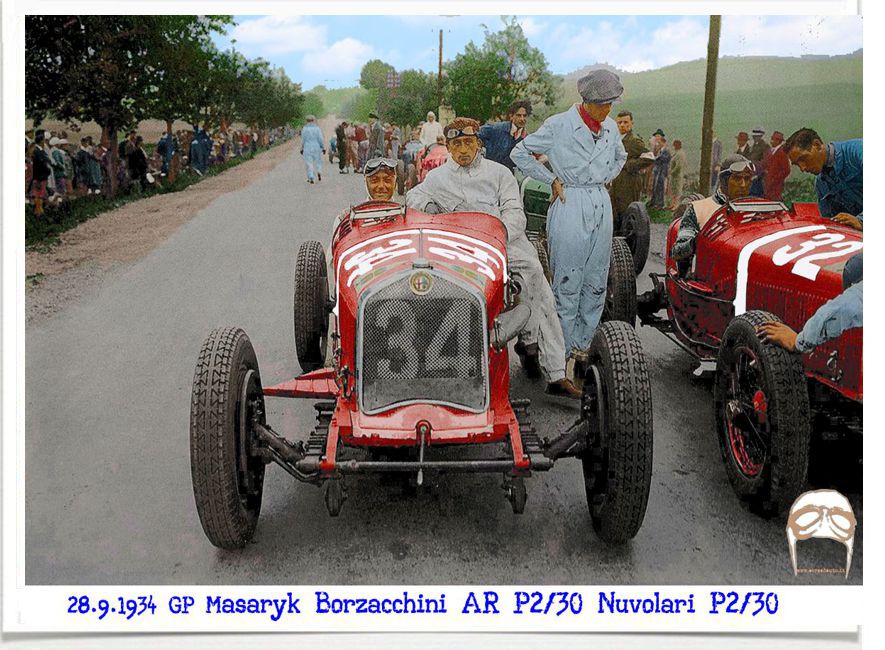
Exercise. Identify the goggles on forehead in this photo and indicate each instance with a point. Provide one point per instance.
(451, 134)
(741, 165)
(375, 164)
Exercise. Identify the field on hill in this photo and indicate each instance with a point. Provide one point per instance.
(781, 94)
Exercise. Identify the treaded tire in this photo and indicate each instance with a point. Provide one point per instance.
(310, 306)
(227, 505)
(635, 227)
(620, 294)
(784, 471)
(539, 241)
(618, 463)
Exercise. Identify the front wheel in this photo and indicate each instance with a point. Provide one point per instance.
(762, 416)
(617, 464)
(227, 474)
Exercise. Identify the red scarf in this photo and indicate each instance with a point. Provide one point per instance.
(592, 124)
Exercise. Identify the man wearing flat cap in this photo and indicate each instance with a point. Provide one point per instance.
(584, 149)
(758, 153)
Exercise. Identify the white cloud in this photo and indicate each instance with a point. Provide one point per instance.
(276, 35)
(680, 40)
(342, 57)
(531, 27)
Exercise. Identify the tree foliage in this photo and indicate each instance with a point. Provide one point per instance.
(484, 80)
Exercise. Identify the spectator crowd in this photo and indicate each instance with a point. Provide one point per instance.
(60, 168)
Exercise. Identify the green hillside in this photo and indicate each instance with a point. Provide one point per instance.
(825, 93)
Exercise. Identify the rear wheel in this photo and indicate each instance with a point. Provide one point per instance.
(311, 306)
(635, 228)
(620, 294)
(762, 416)
(617, 465)
(227, 475)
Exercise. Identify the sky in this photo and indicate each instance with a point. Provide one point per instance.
(330, 50)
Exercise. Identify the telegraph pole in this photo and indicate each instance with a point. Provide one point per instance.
(439, 74)
(709, 102)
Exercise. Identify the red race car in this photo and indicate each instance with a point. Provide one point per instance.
(417, 380)
(757, 261)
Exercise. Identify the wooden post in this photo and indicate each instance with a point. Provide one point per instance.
(439, 96)
(709, 103)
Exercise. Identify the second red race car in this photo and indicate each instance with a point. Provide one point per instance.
(757, 261)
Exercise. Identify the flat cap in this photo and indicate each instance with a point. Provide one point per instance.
(600, 87)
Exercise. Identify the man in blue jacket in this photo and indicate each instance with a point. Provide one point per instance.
(499, 138)
(839, 170)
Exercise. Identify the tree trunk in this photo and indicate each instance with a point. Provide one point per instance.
(169, 126)
(109, 134)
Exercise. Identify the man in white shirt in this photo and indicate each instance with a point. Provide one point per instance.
(468, 182)
(430, 130)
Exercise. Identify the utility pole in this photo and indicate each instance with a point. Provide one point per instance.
(439, 97)
(709, 102)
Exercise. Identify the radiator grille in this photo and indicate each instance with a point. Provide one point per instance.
(422, 348)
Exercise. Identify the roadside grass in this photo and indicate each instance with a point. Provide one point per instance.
(41, 234)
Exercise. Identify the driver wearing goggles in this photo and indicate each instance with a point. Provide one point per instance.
(735, 180)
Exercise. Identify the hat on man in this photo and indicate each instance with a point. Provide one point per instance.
(53, 141)
(734, 163)
(742, 135)
(600, 87)
(758, 131)
(373, 115)
(659, 132)
(777, 135)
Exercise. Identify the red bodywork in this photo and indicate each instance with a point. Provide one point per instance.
(787, 262)
(467, 246)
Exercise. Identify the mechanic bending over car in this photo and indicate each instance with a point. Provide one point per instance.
(844, 312)
(839, 170)
(734, 183)
(468, 182)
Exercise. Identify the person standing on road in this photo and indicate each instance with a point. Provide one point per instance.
(430, 130)
(362, 147)
(468, 182)
(396, 135)
(777, 168)
(758, 154)
(342, 147)
(839, 170)
(42, 170)
(313, 147)
(376, 137)
(499, 138)
(585, 151)
(627, 187)
(60, 166)
(678, 165)
(743, 144)
(661, 173)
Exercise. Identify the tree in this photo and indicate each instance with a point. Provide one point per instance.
(409, 103)
(483, 81)
(358, 107)
(184, 58)
(373, 75)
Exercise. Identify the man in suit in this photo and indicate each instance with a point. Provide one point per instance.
(499, 138)
(627, 187)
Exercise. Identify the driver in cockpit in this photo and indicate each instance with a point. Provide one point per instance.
(734, 183)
